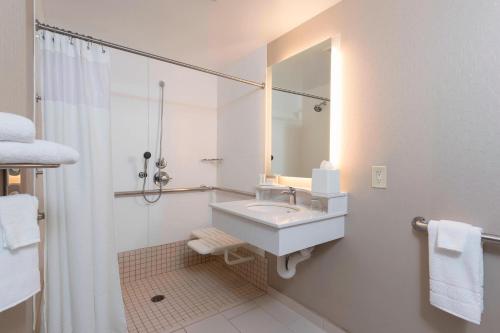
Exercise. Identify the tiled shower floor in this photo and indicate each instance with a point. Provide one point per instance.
(191, 294)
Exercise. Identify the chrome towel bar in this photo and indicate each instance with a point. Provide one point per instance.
(420, 224)
(27, 166)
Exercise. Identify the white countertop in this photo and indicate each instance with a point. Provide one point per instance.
(275, 220)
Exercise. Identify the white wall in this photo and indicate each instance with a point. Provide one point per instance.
(286, 128)
(315, 128)
(190, 134)
(298, 133)
(241, 120)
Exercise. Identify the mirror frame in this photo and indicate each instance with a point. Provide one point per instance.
(335, 114)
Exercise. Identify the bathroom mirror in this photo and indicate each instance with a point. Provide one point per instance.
(300, 137)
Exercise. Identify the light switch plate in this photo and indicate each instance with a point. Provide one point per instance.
(379, 176)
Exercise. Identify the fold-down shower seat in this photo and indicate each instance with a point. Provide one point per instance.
(216, 242)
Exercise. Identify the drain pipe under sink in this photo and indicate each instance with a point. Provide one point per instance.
(286, 265)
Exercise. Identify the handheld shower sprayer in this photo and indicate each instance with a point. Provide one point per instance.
(144, 173)
(160, 178)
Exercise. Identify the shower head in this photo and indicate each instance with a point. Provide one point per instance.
(162, 84)
(319, 107)
(147, 155)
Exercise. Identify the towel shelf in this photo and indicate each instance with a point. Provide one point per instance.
(27, 166)
(420, 224)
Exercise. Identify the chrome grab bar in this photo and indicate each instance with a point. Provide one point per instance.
(202, 188)
(420, 224)
(211, 160)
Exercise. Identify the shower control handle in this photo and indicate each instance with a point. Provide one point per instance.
(161, 178)
(161, 163)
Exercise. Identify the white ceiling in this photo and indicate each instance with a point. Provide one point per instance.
(201, 32)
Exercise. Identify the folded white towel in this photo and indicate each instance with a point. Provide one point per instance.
(20, 277)
(16, 128)
(18, 219)
(452, 235)
(456, 278)
(40, 151)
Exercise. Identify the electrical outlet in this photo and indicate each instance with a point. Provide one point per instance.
(379, 176)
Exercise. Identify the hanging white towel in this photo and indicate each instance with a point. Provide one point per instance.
(456, 277)
(18, 219)
(452, 235)
(20, 275)
(40, 151)
(16, 128)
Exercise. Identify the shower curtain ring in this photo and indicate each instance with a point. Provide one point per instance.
(102, 48)
(88, 45)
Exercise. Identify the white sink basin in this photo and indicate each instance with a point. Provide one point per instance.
(273, 208)
(278, 227)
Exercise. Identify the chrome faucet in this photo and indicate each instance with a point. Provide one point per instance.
(292, 193)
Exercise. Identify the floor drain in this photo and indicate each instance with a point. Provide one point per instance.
(157, 298)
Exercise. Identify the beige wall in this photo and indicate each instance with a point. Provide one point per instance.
(16, 84)
(421, 82)
(16, 96)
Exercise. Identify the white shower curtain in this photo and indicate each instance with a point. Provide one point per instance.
(82, 288)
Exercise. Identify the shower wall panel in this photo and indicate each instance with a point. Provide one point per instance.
(190, 134)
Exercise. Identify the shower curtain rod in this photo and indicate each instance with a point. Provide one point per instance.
(90, 39)
(301, 94)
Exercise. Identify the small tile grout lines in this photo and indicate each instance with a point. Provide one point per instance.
(146, 262)
(254, 271)
(195, 286)
(191, 294)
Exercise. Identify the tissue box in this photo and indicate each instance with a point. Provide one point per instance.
(325, 181)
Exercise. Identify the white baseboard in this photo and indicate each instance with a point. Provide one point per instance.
(305, 312)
